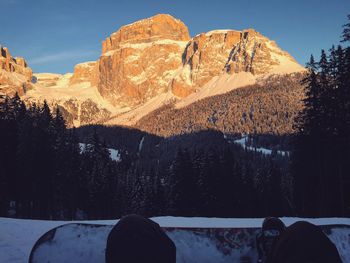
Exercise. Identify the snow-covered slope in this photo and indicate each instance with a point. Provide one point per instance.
(131, 116)
(80, 102)
(17, 236)
(219, 85)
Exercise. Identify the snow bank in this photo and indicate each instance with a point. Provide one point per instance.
(17, 236)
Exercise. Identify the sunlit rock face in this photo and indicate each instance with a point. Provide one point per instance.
(155, 55)
(85, 72)
(15, 75)
(228, 51)
(140, 60)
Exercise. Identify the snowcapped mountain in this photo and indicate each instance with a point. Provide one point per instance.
(151, 63)
(79, 102)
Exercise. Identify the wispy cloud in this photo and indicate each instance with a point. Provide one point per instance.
(61, 56)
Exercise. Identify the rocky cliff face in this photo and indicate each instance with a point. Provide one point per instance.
(227, 51)
(85, 72)
(155, 55)
(139, 60)
(15, 75)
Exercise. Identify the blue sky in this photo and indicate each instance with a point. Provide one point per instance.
(55, 35)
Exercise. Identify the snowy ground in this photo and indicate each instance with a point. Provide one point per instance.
(243, 142)
(114, 154)
(17, 236)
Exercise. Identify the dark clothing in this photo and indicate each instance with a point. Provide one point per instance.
(263, 245)
(303, 242)
(272, 227)
(135, 239)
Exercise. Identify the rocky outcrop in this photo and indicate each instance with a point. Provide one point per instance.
(227, 51)
(16, 65)
(85, 72)
(155, 55)
(140, 59)
(148, 30)
(15, 75)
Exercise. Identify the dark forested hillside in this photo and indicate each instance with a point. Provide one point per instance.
(268, 107)
(44, 173)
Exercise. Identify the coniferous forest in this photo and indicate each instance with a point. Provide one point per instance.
(46, 173)
(321, 158)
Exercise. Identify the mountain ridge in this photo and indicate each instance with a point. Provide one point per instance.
(153, 62)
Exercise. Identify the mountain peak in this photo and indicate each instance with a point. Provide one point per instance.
(218, 52)
(158, 27)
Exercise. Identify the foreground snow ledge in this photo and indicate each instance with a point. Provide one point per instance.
(17, 236)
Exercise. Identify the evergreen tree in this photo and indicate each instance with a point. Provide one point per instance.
(183, 192)
(98, 172)
(346, 31)
(208, 183)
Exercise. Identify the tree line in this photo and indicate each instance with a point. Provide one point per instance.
(43, 171)
(321, 156)
(46, 174)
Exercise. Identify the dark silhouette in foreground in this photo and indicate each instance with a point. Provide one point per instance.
(135, 239)
(303, 242)
(272, 228)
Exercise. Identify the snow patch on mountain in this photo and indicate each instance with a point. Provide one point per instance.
(286, 63)
(220, 31)
(219, 85)
(60, 90)
(144, 45)
(133, 115)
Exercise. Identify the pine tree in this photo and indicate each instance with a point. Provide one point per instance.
(208, 183)
(98, 173)
(11, 111)
(346, 31)
(183, 192)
